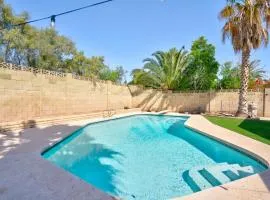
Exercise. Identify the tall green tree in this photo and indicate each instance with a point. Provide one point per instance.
(201, 74)
(165, 70)
(231, 74)
(141, 77)
(12, 40)
(84, 66)
(47, 49)
(77, 63)
(255, 70)
(53, 50)
(114, 75)
(96, 64)
(246, 24)
(27, 45)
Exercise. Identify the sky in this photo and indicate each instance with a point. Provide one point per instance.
(127, 31)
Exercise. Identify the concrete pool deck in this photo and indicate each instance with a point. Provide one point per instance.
(24, 174)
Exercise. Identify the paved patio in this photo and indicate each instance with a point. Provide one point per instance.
(26, 175)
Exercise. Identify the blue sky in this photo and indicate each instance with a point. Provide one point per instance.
(127, 31)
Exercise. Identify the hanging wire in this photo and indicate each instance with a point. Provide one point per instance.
(52, 17)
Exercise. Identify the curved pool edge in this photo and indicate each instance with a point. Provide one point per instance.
(100, 120)
(201, 125)
(90, 121)
(246, 145)
(256, 186)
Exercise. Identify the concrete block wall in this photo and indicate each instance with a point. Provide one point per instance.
(25, 95)
(154, 100)
(267, 102)
(227, 101)
(212, 102)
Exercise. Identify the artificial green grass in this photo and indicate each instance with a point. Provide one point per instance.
(256, 129)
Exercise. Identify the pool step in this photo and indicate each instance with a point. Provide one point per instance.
(236, 169)
(198, 179)
(216, 172)
(208, 176)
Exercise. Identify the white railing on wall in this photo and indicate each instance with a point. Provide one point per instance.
(11, 66)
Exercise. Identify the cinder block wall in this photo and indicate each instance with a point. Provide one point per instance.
(213, 102)
(227, 101)
(267, 102)
(26, 95)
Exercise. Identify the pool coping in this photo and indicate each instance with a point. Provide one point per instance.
(240, 189)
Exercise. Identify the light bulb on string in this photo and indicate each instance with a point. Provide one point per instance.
(53, 21)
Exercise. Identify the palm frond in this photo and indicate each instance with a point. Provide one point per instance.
(247, 25)
(226, 12)
(166, 68)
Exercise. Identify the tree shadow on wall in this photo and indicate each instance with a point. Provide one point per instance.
(157, 100)
(138, 91)
(148, 102)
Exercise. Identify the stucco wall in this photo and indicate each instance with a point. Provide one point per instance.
(26, 95)
(214, 102)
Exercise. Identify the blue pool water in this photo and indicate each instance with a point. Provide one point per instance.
(149, 157)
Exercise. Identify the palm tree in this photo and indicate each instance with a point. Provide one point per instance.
(166, 69)
(255, 70)
(247, 22)
(141, 77)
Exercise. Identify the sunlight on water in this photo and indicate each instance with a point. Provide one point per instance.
(149, 157)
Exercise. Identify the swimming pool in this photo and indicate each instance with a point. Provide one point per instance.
(149, 157)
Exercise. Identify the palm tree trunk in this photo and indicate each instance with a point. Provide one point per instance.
(243, 103)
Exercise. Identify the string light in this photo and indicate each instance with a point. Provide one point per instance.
(53, 17)
(52, 21)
